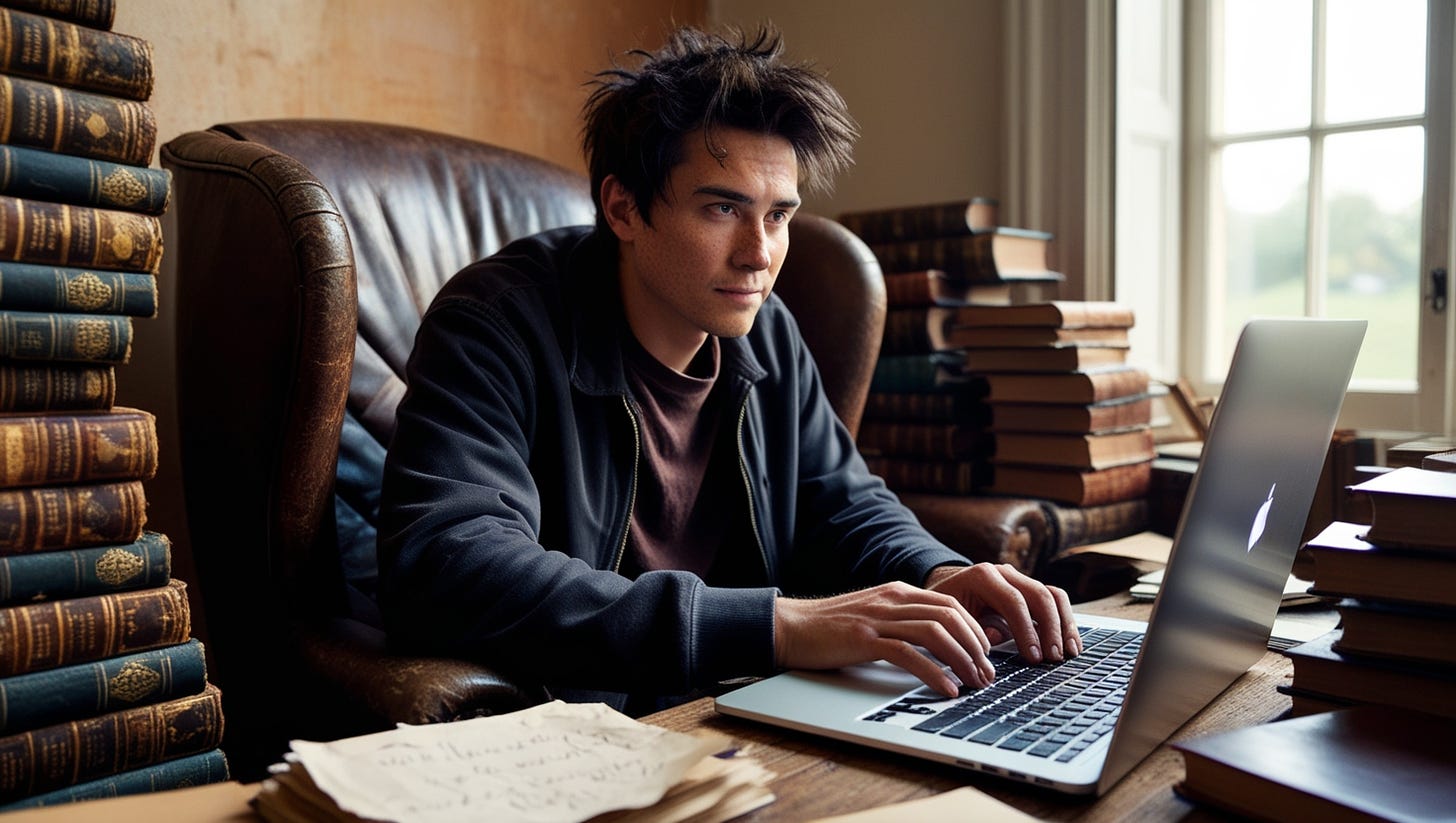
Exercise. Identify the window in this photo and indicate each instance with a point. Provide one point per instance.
(1319, 183)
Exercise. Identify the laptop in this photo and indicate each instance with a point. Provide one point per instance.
(1080, 729)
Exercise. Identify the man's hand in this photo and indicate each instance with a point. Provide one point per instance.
(887, 622)
(1011, 605)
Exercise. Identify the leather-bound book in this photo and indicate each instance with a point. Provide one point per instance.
(62, 178)
(56, 448)
(921, 220)
(65, 573)
(28, 287)
(97, 14)
(41, 636)
(47, 518)
(56, 234)
(79, 57)
(49, 117)
(59, 336)
(990, 256)
(180, 773)
(53, 386)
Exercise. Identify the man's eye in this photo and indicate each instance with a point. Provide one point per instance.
(723, 208)
(778, 217)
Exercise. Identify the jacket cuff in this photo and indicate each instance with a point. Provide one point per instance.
(735, 632)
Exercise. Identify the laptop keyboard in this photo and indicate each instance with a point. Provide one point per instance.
(1052, 710)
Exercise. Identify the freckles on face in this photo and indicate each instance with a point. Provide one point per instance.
(716, 242)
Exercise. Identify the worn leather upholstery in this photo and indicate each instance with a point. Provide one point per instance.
(306, 251)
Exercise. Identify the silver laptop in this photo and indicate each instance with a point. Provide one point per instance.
(1080, 729)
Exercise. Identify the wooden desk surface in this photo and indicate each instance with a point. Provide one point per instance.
(819, 777)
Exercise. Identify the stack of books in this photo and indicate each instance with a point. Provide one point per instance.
(1069, 417)
(103, 691)
(1397, 582)
(924, 425)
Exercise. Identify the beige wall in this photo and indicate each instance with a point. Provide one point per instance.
(924, 78)
(505, 71)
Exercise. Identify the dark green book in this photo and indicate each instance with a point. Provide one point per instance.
(84, 338)
(924, 372)
(28, 287)
(192, 770)
(62, 178)
(57, 575)
(29, 701)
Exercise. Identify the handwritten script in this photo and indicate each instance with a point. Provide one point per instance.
(553, 763)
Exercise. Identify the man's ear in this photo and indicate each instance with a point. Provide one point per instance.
(620, 209)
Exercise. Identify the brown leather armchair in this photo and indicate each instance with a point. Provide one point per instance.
(306, 251)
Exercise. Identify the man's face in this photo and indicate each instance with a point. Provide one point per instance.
(718, 237)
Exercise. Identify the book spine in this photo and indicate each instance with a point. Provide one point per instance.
(67, 54)
(1109, 385)
(57, 575)
(49, 449)
(56, 387)
(1116, 484)
(49, 518)
(909, 288)
(97, 14)
(46, 635)
(965, 257)
(76, 338)
(30, 701)
(909, 222)
(907, 331)
(27, 287)
(939, 476)
(53, 757)
(1082, 525)
(42, 175)
(182, 772)
(57, 234)
(885, 438)
(49, 117)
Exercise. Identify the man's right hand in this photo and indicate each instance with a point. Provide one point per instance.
(886, 622)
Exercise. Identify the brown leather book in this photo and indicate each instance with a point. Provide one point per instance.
(35, 387)
(990, 256)
(1413, 508)
(913, 474)
(1034, 336)
(1042, 358)
(915, 330)
(889, 438)
(919, 220)
(1076, 487)
(47, 116)
(79, 57)
(1422, 634)
(928, 407)
(66, 447)
(1346, 565)
(65, 754)
(1069, 387)
(1358, 764)
(1061, 314)
(1319, 669)
(932, 287)
(98, 14)
(57, 234)
(1109, 415)
(42, 636)
(47, 518)
(1078, 451)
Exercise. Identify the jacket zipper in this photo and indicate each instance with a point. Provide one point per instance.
(748, 488)
(632, 495)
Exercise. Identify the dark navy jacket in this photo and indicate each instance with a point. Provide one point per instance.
(510, 480)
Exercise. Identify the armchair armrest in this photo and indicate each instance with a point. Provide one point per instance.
(351, 661)
(986, 529)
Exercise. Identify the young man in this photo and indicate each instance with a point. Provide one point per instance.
(616, 470)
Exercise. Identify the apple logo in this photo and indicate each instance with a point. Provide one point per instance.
(1257, 530)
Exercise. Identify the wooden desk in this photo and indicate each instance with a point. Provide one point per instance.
(818, 777)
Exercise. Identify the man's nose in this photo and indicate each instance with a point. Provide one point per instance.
(752, 253)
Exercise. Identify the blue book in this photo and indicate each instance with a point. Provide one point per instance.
(192, 770)
(30, 701)
(58, 575)
(36, 174)
(31, 287)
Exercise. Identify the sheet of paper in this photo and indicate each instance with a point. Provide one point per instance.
(1149, 546)
(552, 763)
(964, 803)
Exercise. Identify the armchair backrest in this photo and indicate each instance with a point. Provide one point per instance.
(306, 251)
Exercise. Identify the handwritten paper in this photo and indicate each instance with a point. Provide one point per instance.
(554, 763)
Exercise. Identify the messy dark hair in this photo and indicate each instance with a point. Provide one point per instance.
(635, 121)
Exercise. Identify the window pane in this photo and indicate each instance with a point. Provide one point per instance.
(1265, 60)
(1263, 214)
(1373, 185)
(1376, 63)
